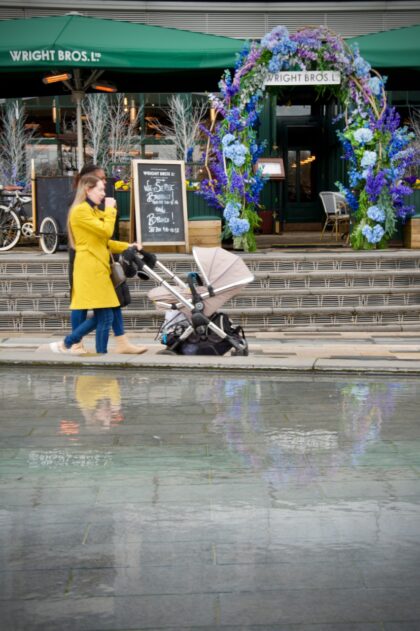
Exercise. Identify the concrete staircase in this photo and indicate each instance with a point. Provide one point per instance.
(334, 290)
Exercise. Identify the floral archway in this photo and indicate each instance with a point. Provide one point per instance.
(376, 148)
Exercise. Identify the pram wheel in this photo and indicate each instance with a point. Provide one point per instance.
(243, 352)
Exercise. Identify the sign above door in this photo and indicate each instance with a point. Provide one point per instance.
(306, 77)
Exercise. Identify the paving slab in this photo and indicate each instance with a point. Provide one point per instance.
(314, 352)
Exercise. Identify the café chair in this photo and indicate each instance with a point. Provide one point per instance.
(336, 211)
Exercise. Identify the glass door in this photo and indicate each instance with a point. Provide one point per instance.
(301, 180)
(303, 153)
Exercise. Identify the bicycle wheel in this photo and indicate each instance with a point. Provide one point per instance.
(48, 235)
(9, 229)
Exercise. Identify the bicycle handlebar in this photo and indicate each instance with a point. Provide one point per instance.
(18, 195)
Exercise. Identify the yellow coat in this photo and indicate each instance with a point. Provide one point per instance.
(92, 230)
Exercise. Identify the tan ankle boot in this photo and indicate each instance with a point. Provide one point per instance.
(78, 349)
(123, 346)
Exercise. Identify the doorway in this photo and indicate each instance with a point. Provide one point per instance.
(302, 142)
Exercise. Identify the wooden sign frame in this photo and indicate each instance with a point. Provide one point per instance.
(139, 212)
(273, 168)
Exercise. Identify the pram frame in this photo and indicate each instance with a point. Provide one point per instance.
(240, 346)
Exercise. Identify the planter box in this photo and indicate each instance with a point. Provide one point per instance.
(205, 233)
(198, 208)
(412, 233)
(123, 204)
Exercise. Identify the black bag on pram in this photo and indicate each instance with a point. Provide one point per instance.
(207, 343)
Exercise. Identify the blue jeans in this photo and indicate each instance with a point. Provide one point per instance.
(101, 322)
(78, 316)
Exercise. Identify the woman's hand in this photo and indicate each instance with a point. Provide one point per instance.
(136, 245)
(109, 202)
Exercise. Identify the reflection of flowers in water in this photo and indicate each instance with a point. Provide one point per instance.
(302, 442)
(240, 416)
(286, 447)
(365, 407)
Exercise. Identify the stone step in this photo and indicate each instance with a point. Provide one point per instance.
(293, 292)
(260, 262)
(286, 300)
(33, 283)
(256, 319)
(313, 291)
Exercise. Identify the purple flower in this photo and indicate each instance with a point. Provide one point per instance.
(237, 183)
(374, 185)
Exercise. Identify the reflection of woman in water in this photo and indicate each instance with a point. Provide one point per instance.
(99, 399)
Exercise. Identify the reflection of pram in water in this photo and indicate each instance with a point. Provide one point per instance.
(193, 325)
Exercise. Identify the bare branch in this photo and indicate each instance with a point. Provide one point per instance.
(97, 126)
(13, 140)
(184, 128)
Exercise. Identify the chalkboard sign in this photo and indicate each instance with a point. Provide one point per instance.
(53, 198)
(160, 202)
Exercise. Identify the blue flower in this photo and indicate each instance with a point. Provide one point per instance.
(236, 152)
(375, 85)
(373, 235)
(369, 159)
(231, 211)
(376, 214)
(274, 64)
(228, 139)
(361, 67)
(238, 227)
(363, 135)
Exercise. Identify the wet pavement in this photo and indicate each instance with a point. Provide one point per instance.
(374, 352)
(143, 499)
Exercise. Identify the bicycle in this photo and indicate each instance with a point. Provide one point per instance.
(14, 224)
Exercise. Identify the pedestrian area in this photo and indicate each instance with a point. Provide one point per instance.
(201, 500)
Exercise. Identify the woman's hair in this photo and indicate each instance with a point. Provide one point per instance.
(88, 169)
(86, 182)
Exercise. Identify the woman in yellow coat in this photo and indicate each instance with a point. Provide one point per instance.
(89, 232)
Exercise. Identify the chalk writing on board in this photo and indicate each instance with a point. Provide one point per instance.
(160, 197)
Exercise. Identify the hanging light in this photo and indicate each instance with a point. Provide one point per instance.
(54, 111)
(133, 111)
(104, 86)
(54, 78)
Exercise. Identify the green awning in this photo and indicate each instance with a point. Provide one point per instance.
(136, 57)
(74, 40)
(397, 48)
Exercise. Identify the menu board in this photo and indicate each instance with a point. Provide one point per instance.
(53, 198)
(272, 168)
(160, 202)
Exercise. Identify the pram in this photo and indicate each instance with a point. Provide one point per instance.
(193, 325)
